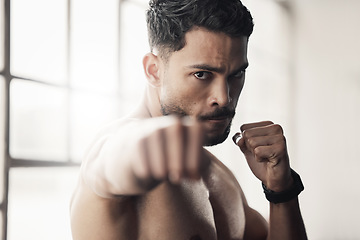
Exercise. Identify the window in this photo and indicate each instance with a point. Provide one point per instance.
(65, 67)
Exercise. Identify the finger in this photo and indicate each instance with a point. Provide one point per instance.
(175, 140)
(239, 141)
(140, 166)
(256, 124)
(255, 142)
(271, 153)
(237, 137)
(272, 129)
(156, 150)
(194, 145)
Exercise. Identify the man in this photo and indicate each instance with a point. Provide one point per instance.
(147, 176)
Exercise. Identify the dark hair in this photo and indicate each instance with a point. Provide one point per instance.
(169, 20)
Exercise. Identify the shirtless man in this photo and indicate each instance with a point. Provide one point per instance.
(148, 177)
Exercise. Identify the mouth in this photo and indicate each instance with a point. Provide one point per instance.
(218, 121)
(218, 118)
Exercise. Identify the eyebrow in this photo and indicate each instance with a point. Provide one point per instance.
(210, 68)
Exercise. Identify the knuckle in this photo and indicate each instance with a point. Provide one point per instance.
(244, 127)
(251, 142)
(281, 141)
(141, 171)
(257, 151)
(246, 134)
(160, 174)
(278, 128)
(177, 128)
(178, 171)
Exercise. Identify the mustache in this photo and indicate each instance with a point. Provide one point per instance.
(218, 113)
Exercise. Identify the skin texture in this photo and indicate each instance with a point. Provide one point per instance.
(147, 176)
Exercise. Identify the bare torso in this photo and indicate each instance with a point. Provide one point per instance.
(209, 209)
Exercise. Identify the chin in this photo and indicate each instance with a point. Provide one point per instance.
(214, 140)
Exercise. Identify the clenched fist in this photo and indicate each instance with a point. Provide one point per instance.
(172, 150)
(264, 147)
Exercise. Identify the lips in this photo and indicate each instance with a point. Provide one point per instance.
(219, 116)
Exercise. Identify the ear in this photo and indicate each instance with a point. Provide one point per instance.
(151, 64)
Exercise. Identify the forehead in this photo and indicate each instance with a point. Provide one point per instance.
(213, 48)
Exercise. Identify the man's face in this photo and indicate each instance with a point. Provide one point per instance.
(204, 79)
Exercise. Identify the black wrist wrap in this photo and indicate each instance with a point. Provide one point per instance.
(287, 195)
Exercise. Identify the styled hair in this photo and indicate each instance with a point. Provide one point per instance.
(169, 20)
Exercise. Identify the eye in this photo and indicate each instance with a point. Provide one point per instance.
(238, 75)
(203, 75)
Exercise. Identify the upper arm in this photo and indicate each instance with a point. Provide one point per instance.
(256, 226)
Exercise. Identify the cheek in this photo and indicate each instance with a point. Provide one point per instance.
(176, 95)
(235, 90)
(185, 89)
(185, 98)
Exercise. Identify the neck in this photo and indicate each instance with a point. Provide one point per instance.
(149, 105)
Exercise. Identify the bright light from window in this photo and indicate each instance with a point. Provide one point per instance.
(94, 40)
(88, 112)
(134, 45)
(38, 39)
(39, 203)
(38, 118)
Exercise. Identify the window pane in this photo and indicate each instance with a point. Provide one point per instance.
(89, 112)
(94, 42)
(2, 35)
(134, 45)
(2, 136)
(38, 39)
(38, 127)
(39, 201)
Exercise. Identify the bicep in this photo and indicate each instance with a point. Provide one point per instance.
(256, 226)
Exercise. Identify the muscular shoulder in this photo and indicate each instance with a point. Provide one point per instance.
(220, 174)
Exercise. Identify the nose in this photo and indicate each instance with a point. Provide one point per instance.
(220, 95)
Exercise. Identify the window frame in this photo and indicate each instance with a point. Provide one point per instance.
(12, 162)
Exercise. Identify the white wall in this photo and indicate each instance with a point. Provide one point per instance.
(327, 115)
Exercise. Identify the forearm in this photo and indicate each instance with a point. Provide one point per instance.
(139, 154)
(264, 146)
(286, 221)
(103, 171)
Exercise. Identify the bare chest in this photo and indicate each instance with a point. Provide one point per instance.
(190, 211)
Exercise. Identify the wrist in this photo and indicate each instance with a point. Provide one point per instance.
(290, 193)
